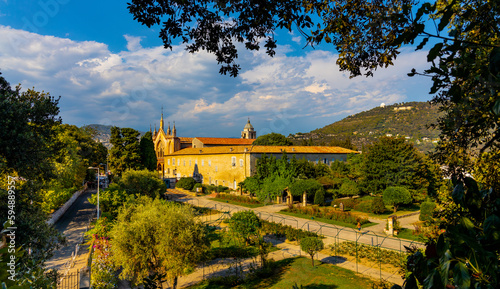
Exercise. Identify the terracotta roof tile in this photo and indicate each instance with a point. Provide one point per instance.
(225, 141)
(290, 150)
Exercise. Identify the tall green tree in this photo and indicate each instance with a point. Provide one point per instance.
(157, 240)
(28, 120)
(272, 139)
(125, 153)
(395, 162)
(148, 155)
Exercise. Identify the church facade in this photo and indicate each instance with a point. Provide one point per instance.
(225, 161)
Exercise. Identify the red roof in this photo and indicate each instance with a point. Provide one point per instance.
(225, 141)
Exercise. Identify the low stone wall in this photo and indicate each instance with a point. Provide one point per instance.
(57, 214)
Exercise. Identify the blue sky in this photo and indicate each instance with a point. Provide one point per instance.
(109, 69)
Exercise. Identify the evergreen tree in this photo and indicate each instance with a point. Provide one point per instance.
(148, 155)
(125, 153)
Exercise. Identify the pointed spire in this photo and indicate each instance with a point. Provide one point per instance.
(168, 129)
(174, 131)
(161, 121)
(155, 128)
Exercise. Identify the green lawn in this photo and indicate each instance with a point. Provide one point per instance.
(408, 235)
(237, 203)
(299, 271)
(328, 221)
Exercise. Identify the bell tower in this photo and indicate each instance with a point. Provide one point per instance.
(248, 131)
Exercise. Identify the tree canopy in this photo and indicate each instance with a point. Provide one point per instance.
(125, 153)
(148, 155)
(157, 240)
(272, 139)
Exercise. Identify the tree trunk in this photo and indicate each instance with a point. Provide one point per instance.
(174, 285)
(395, 208)
(312, 259)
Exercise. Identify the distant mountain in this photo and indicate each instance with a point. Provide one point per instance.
(103, 133)
(410, 120)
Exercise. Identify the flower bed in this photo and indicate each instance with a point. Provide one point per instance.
(328, 213)
(239, 199)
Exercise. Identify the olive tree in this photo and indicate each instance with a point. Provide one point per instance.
(154, 239)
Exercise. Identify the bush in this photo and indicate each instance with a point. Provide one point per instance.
(221, 188)
(210, 189)
(378, 206)
(349, 188)
(185, 183)
(364, 206)
(427, 211)
(198, 185)
(142, 182)
(348, 203)
(239, 199)
(319, 197)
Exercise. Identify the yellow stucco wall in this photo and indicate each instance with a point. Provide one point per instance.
(217, 169)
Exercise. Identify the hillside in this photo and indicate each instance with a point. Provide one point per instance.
(409, 120)
(103, 133)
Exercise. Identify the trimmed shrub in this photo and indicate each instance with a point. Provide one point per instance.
(185, 183)
(426, 211)
(378, 206)
(319, 197)
(348, 203)
(364, 206)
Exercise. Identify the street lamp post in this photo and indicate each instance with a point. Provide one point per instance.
(93, 168)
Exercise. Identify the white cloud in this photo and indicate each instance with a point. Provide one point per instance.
(285, 94)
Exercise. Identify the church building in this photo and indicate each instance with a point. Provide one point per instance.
(225, 161)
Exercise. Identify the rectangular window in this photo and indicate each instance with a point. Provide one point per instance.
(196, 162)
(189, 162)
(209, 163)
(168, 161)
(216, 168)
(178, 162)
(184, 162)
(173, 161)
(202, 162)
(233, 161)
(241, 163)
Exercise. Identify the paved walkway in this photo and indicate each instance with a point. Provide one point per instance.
(73, 224)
